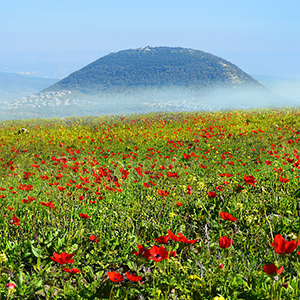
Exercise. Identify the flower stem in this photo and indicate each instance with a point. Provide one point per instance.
(265, 213)
(111, 292)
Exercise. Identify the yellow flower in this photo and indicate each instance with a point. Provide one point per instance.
(239, 206)
(213, 207)
(171, 214)
(194, 277)
(200, 185)
(11, 292)
(3, 257)
(219, 298)
(292, 235)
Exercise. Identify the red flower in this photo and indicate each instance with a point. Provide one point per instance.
(190, 190)
(115, 277)
(133, 277)
(173, 237)
(173, 253)
(63, 258)
(72, 271)
(84, 216)
(142, 252)
(186, 240)
(170, 174)
(278, 170)
(11, 285)
(284, 180)
(94, 239)
(158, 253)
(282, 246)
(179, 204)
(25, 187)
(180, 238)
(163, 193)
(186, 156)
(228, 217)
(15, 220)
(139, 171)
(250, 180)
(30, 199)
(163, 239)
(212, 194)
(49, 204)
(272, 270)
(221, 266)
(225, 242)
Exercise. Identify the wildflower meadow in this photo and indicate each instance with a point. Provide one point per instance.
(158, 206)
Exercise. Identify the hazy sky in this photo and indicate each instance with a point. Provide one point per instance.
(60, 36)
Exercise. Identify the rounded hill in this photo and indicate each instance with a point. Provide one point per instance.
(154, 67)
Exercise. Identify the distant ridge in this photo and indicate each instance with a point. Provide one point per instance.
(14, 85)
(154, 67)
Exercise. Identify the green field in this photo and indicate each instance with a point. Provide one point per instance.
(157, 206)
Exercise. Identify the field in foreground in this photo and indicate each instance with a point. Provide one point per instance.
(158, 206)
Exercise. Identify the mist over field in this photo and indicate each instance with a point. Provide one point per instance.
(173, 99)
(283, 86)
(52, 105)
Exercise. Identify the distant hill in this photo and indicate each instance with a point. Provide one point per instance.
(154, 68)
(146, 80)
(14, 85)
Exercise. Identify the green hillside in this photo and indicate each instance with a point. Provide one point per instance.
(154, 67)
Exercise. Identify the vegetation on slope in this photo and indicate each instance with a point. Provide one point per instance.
(160, 67)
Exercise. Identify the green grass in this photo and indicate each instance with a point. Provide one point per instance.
(128, 175)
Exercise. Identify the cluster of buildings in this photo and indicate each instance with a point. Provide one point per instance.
(57, 98)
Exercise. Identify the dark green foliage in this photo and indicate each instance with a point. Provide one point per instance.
(128, 70)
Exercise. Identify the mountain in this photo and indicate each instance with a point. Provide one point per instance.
(147, 80)
(155, 68)
(14, 85)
